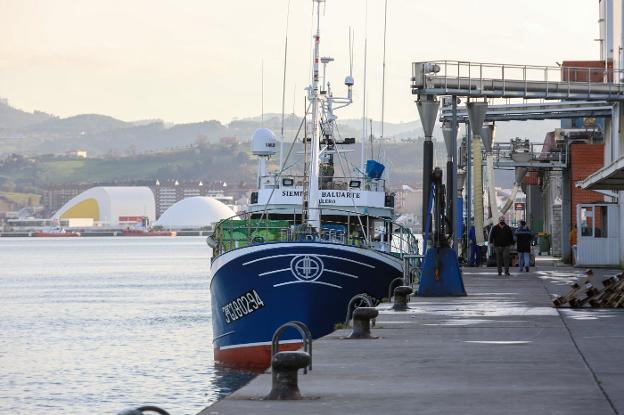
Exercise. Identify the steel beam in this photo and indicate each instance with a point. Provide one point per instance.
(494, 80)
(536, 111)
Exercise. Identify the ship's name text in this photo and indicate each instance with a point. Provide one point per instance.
(327, 197)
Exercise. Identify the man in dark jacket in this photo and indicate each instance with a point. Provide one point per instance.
(524, 237)
(501, 237)
(472, 244)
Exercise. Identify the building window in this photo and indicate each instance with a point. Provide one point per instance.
(600, 224)
(594, 221)
(587, 221)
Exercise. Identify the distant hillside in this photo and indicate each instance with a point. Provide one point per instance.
(232, 163)
(79, 124)
(533, 130)
(410, 129)
(228, 163)
(41, 133)
(13, 118)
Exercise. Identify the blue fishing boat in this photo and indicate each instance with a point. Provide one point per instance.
(310, 243)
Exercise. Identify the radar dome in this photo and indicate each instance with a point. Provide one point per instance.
(263, 142)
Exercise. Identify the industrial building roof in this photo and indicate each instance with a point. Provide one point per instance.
(610, 177)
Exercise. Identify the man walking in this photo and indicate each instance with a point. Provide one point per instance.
(524, 237)
(501, 237)
(472, 243)
(572, 240)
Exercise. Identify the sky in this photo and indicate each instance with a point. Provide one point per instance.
(194, 60)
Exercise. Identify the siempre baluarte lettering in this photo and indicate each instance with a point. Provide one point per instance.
(242, 306)
(338, 194)
(290, 193)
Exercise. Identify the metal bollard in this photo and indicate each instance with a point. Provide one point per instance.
(284, 367)
(361, 322)
(401, 295)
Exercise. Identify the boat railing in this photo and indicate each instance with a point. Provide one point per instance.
(246, 229)
(349, 183)
(529, 154)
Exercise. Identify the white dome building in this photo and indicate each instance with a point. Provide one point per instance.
(194, 213)
(110, 205)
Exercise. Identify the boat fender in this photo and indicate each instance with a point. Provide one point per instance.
(211, 241)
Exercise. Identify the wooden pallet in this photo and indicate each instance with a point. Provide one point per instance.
(614, 293)
(586, 292)
(575, 288)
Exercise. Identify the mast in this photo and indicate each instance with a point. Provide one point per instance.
(383, 73)
(364, 134)
(314, 217)
(372, 149)
(281, 159)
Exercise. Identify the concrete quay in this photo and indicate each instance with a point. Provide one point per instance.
(503, 349)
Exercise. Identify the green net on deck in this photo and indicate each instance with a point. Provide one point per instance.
(238, 233)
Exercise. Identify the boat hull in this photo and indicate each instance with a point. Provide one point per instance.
(258, 288)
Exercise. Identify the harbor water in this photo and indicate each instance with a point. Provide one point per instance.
(95, 325)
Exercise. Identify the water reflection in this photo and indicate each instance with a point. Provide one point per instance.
(95, 325)
(225, 380)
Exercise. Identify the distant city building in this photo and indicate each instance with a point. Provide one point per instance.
(407, 199)
(39, 224)
(55, 197)
(78, 154)
(167, 193)
(229, 140)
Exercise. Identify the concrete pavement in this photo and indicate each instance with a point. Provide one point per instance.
(503, 349)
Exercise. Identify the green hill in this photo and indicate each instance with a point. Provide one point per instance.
(232, 163)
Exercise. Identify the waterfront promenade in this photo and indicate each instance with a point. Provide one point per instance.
(503, 349)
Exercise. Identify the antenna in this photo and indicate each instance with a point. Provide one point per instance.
(311, 62)
(349, 79)
(383, 76)
(262, 93)
(281, 159)
(364, 134)
(350, 51)
(325, 60)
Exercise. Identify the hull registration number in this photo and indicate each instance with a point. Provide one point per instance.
(242, 306)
